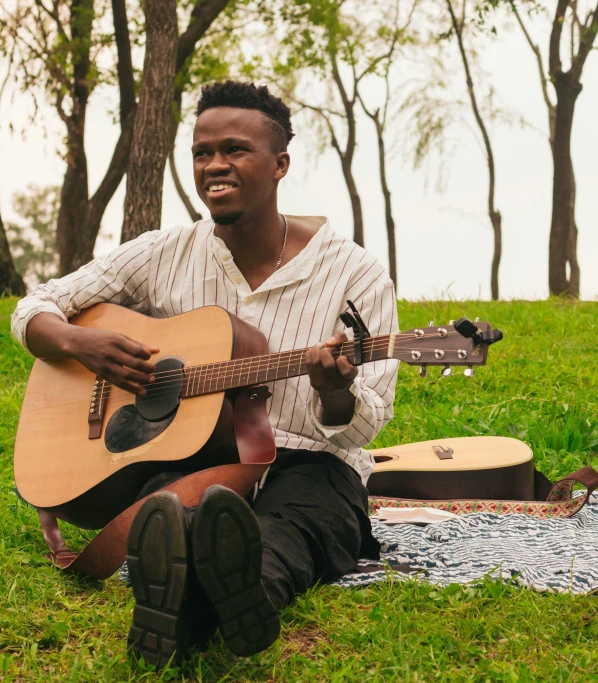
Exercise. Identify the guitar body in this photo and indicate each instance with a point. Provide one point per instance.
(478, 467)
(79, 479)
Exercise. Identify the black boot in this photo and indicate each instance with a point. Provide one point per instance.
(227, 554)
(171, 613)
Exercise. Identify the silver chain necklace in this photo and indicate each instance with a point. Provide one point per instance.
(284, 242)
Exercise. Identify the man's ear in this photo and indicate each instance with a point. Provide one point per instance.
(283, 161)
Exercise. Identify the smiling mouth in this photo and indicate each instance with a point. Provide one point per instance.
(220, 188)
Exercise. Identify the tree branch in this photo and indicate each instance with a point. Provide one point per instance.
(53, 14)
(555, 65)
(203, 15)
(586, 40)
(117, 167)
(195, 215)
(458, 28)
(543, 79)
(126, 79)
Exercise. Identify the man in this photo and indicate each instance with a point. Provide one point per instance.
(232, 564)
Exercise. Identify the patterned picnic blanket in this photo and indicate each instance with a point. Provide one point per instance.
(544, 554)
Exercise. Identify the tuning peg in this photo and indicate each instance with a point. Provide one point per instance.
(477, 320)
(447, 371)
(469, 371)
(423, 371)
(451, 322)
(431, 323)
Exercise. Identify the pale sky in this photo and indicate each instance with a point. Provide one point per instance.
(444, 240)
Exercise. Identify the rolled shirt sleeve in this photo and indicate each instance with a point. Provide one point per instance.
(120, 278)
(374, 387)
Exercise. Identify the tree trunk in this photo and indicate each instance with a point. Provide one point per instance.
(496, 220)
(563, 231)
(153, 123)
(390, 224)
(494, 215)
(574, 274)
(80, 217)
(10, 281)
(73, 196)
(75, 189)
(355, 202)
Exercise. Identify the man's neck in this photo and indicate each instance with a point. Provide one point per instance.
(254, 241)
(256, 245)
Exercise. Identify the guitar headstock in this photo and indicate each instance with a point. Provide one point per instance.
(460, 343)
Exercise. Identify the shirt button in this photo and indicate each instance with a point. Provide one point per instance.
(224, 256)
(237, 280)
(248, 299)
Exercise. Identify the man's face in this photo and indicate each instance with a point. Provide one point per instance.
(235, 169)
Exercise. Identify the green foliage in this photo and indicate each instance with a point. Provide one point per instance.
(540, 385)
(33, 244)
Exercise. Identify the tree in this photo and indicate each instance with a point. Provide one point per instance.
(342, 45)
(33, 242)
(567, 87)
(166, 74)
(10, 280)
(494, 215)
(59, 48)
(379, 117)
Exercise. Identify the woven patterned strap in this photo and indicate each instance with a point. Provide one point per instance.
(559, 504)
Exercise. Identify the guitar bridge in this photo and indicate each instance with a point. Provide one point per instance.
(443, 452)
(97, 407)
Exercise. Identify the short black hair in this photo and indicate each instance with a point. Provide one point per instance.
(250, 96)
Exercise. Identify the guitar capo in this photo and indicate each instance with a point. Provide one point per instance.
(360, 331)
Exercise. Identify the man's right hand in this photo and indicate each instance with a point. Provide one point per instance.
(112, 356)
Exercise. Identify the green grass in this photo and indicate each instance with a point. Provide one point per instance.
(541, 385)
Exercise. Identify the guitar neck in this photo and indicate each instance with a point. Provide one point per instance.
(242, 372)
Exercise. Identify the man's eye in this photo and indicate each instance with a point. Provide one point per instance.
(235, 148)
(200, 153)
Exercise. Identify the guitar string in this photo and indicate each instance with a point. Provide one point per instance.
(218, 376)
(382, 339)
(213, 378)
(251, 364)
(284, 356)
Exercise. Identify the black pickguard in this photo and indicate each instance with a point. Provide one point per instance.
(126, 429)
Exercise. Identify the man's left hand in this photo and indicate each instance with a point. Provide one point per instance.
(331, 377)
(328, 374)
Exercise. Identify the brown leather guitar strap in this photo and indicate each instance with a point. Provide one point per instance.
(105, 554)
(560, 502)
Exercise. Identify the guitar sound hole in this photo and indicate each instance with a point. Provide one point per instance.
(383, 458)
(164, 395)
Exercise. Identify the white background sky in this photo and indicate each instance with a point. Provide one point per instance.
(444, 240)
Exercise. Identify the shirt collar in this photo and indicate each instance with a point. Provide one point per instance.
(295, 270)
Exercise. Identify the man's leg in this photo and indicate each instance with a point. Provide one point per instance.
(313, 517)
(227, 555)
(171, 611)
(311, 525)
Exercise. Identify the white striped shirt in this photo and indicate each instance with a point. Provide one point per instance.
(168, 272)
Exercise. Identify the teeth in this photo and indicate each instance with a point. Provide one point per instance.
(218, 188)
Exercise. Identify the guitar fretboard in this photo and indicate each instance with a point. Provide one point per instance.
(241, 372)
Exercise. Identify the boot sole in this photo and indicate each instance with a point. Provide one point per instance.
(227, 554)
(157, 557)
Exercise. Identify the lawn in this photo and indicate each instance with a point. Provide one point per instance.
(541, 385)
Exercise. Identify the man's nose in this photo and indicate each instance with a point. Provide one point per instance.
(217, 164)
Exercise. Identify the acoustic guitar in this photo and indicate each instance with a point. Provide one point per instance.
(84, 449)
(480, 467)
